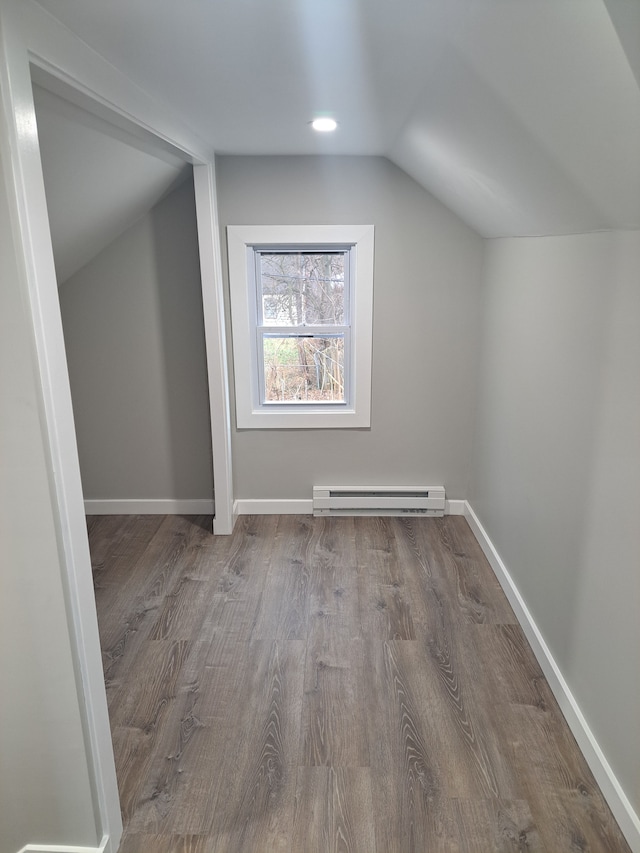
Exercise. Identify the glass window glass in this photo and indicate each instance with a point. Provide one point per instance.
(302, 288)
(309, 368)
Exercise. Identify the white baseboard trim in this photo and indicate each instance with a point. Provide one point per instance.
(455, 507)
(612, 791)
(266, 506)
(259, 506)
(152, 506)
(104, 847)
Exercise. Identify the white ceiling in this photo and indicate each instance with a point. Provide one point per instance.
(97, 183)
(523, 116)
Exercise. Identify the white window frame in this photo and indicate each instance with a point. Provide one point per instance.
(242, 241)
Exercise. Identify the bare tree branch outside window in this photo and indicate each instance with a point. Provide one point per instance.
(300, 290)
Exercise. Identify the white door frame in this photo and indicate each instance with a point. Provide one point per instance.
(30, 35)
(216, 346)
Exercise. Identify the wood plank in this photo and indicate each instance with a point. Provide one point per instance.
(150, 575)
(334, 601)
(477, 590)
(496, 826)
(182, 613)
(166, 791)
(512, 673)
(255, 807)
(160, 843)
(409, 767)
(130, 616)
(386, 603)
(284, 604)
(141, 717)
(183, 781)
(333, 810)
(332, 731)
(116, 543)
(243, 574)
(333, 696)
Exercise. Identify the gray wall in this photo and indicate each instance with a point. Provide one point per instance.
(134, 336)
(556, 462)
(44, 781)
(426, 326)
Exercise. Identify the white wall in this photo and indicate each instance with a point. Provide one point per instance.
(45, 787)
(134, 337)
(426, 326)
(556, 462)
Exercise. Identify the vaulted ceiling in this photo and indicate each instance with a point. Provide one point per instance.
(522, 116)
(97, 180)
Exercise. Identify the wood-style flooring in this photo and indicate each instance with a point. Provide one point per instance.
(311, 685)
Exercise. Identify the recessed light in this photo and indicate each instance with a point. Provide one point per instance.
(324, 125)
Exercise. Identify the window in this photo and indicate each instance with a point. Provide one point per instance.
(302, 324)
(301, 304)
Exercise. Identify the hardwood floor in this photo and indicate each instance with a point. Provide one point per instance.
(340, 684)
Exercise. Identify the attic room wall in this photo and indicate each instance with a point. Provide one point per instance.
(556, 462)
(426, 326)
(45, 787)
(134, 336)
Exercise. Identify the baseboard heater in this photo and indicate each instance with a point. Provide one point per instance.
(378, 500)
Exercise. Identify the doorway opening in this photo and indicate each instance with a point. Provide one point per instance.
(125, 244)
(35, 239)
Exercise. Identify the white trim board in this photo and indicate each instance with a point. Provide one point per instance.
(64, 848)
(204, 182)
(152, 506)
(267, 506)
(612, 791)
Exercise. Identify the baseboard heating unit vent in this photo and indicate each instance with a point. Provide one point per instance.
(378, 500)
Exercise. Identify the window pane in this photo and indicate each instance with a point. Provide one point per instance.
(303, 369)
(302, 288)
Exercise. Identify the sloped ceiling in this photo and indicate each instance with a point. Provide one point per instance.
(523, 116)
(97, 184)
